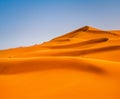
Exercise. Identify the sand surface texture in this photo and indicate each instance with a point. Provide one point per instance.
(82, 64)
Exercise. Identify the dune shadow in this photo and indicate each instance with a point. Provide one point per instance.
(96, 50)
(41, 65)
(78, 44)
(80, 52)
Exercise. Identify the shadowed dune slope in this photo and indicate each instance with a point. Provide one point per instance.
(82, 64)
(14, 66)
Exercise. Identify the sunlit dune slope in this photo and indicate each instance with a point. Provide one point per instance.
(82, 64)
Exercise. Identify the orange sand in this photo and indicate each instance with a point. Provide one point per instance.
(82, 64)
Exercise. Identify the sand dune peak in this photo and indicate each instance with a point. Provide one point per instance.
(86, 28)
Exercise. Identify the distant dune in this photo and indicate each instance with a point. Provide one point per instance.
(82, 64)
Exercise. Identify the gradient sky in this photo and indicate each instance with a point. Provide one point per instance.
(29, 22)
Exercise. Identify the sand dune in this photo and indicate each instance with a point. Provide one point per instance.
(82, 64)
(16, 66)
(79, 43)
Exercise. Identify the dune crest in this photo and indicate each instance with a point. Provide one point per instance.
(81, 64)
(89, 28)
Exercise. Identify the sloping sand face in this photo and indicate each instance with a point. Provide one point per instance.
(82, 64)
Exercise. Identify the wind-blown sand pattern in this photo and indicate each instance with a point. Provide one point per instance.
(82, 64)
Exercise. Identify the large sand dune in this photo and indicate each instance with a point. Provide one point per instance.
(82, 64)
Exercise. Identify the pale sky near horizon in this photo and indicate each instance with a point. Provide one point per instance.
(29, 22)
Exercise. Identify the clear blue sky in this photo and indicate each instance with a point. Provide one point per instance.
(29, 22)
